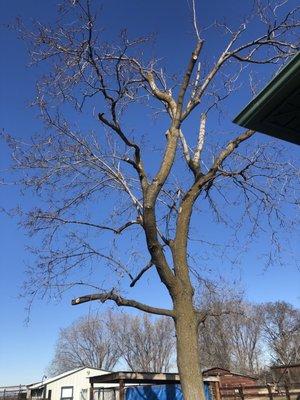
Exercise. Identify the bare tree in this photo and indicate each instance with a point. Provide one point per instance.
(76, 165)
(282, 331)
(215, 333)
(145, 344)
(103, 340)
(232, 336)
(246, 340)
(214, 343)
(240, 335)
(87, 342)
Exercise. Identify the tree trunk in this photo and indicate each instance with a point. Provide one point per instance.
(188, 362)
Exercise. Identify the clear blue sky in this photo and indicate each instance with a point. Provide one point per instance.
(25, 351)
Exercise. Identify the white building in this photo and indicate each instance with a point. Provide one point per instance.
(71, 385)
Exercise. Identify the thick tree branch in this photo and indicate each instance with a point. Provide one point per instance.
(200, 142)
(121, 301)
(173, 133)
(185, 147)
(231, 146)
(163, 96)
(185, 83)
(150, 223)
(188, 200)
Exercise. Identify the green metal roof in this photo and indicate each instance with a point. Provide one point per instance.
(275, 110)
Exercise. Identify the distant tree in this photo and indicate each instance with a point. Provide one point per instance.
(145, 344)
(231, 336)
(102, 341)
(281, 327)
(214, 338)
(87, 342)
(245, 332)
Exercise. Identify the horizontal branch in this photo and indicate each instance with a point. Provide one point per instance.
(122, 302)
(90, 224)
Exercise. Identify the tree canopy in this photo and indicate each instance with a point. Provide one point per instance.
(103, 171)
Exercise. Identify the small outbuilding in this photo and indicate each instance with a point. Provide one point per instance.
(70, 385)
(286, 373)
(146, 386)
(229, 379)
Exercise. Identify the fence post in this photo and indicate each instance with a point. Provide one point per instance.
(121, 390)
(287, 391)
(241, 393)
(217, 390)
(270, 392)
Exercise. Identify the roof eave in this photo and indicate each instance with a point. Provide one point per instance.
(283, 84)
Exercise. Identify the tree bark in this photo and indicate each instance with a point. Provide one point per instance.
(186, 324)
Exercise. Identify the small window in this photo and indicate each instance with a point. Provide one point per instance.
(66, 393)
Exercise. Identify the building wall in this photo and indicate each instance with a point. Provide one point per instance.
(78, 380)
(287, 374)
(236, 380)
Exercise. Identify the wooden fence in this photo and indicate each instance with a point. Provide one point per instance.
(13, 392)
(272, 392)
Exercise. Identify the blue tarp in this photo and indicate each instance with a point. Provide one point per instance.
(160, 392)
